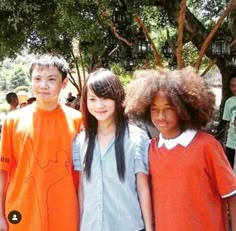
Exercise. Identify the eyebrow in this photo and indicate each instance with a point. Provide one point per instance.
(166, 104)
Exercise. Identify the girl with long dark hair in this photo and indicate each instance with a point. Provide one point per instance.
(112, 158)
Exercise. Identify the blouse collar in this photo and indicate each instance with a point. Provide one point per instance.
(183, 139)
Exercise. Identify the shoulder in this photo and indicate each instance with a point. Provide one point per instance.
(71, 111)
(205, 136)
(136, 135)
(135, 130)
(81, 137)
(230, 100)
(19, 113)
(206, 140)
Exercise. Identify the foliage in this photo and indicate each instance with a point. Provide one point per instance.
(14, 73)
(19, 78)
(3, 108)
(125, 76)
(77, 29)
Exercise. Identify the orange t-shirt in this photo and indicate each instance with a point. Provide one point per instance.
(36, 150)
(188, 184)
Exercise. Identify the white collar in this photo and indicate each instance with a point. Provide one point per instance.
(183, 139)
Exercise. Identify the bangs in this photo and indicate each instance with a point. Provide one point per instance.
(102, 89)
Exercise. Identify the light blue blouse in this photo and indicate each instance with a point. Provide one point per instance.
(109, 204)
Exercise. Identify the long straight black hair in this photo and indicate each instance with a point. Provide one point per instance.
(104, 84)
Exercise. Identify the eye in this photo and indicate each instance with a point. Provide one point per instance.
(169, 109)
(153, 109)
(36, 78)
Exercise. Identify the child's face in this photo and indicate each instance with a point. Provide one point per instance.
(164, 116)
(102, 109)
(46, 85)
(233, 86)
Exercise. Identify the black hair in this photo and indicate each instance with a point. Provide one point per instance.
(231, 76)
(47, 60)
(104, 83)
(11, 97)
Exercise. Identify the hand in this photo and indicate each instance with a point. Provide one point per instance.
(3, 224)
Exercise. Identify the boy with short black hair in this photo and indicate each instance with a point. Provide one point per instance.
(12, 100)
(37, 187)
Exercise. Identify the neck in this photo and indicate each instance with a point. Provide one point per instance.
(105, 129)
(12, 108)
(47, 107)
(169, 136)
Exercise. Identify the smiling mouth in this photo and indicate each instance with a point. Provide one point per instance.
(162, 124)
(100, 112)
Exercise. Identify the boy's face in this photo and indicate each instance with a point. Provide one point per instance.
(164, 116)
(47, 84)
(233, 85)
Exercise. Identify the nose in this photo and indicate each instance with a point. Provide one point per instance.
(161, 115)
(44, 85)
(99, 103)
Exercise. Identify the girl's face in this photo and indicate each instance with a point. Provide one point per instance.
(164, 116)
(102, 109)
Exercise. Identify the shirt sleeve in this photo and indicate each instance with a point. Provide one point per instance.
(76, 154)
(220, 170)
(6, 151)
(141, 154)
(226, 113)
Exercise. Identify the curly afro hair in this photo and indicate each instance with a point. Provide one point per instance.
(186, 90)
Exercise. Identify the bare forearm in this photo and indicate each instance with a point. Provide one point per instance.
(225, 132)
(145, 200)
(80, 195)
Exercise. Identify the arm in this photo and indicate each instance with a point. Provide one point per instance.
(80, 196)
(232, 211)
(225, 133)
(3, 186)
(145, 200)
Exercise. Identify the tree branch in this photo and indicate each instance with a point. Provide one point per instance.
(145, 31)
(212, 33)
(114, 31)
(181, 19)
(211, 64)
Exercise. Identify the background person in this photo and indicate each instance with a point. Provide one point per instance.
(229, 116)
(12, 100)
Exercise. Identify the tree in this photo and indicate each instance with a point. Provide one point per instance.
(18, 78)
(14, 73)
(77, 29)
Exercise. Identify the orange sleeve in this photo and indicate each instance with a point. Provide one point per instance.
(6, 147)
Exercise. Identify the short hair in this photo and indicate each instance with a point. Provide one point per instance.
(231, 76)
(187, 91)
(47, 60)
(11, 97)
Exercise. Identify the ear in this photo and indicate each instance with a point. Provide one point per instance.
(64, 83)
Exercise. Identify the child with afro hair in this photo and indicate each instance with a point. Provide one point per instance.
(192, 182)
